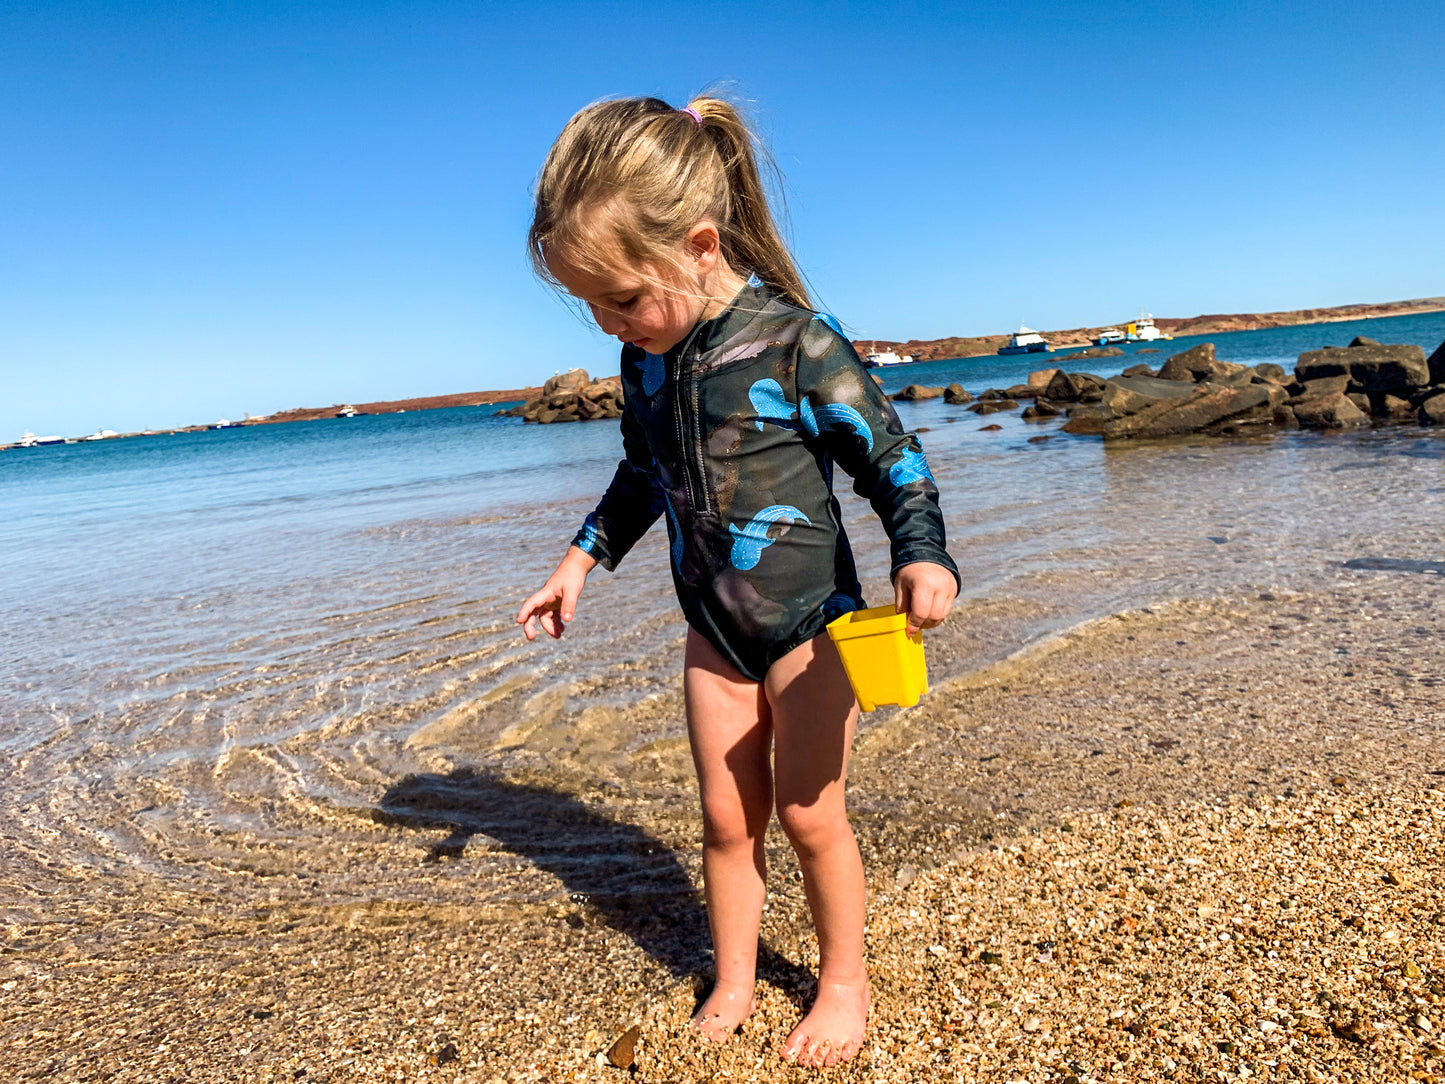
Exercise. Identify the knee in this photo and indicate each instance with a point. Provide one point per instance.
(729, 825)
(813, 828)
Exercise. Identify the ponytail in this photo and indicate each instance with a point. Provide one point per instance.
(627, 179)
(751, 239)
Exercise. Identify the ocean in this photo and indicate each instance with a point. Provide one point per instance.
(223, 650)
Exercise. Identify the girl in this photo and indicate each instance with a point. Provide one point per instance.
(739, 401)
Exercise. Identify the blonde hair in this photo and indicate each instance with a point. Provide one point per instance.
(627, 179)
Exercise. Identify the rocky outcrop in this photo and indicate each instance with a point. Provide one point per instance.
(1370, 367)
(956, 395)
(916, 391)
(573, 396)
(1432, 410)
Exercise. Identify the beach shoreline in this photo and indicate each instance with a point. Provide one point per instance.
(1194, 841)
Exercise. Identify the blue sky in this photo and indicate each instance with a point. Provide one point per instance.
(208, 209)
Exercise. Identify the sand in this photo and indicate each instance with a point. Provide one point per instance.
(1197, 842)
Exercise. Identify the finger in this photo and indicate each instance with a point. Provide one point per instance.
(529, 628)
(553, 623)
(919, 606)
(533, 603)
(569, 602)
(900, 596)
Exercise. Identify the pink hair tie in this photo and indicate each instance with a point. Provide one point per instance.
(694, 114)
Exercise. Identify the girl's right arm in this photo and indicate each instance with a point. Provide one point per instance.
(556, 602)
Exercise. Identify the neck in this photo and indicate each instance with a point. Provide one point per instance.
(720, 287)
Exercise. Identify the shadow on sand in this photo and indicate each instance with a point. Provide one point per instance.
(625, 877)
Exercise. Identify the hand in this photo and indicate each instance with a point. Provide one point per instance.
(925, 592)
(556, 602)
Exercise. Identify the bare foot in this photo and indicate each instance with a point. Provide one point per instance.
(832, 1032)
(723, 1012)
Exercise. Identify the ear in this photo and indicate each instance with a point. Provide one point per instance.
(704, 245)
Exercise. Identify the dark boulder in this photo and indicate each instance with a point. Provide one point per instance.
(992, 406)
(1139, 370)
(1370, 368)
(1022, 391)
(1062, 388)
(1333, 411)
(1436, 364)
(916, 391)
(1126, 395)
(1197, 363)
(1318, 388)
(1039, 411)
(1210, 407)
(1087, 420)
(1275, 374)
(1363, 340)
(956, 395)
(1432, 410)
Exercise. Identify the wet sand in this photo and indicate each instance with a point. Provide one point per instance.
(1201, 841)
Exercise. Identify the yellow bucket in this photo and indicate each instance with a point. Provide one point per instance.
(885, 665)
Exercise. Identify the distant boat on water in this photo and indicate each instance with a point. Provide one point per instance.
(225, 423)
(30, 440)
(1109, 336)
(101, 434)
(1025, 341)
(1143, 330)
(878, 359)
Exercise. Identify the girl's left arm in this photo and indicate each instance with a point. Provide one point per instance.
(844, 410)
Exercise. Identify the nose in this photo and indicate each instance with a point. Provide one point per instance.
(610, 322)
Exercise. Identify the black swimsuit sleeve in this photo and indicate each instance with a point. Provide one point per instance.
(630, 506)
(843, 410)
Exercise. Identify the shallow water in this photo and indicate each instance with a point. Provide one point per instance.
(233, 658)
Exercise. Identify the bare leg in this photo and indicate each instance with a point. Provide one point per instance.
(729, 726)
(814, 716)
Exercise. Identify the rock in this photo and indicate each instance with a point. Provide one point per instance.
(1197, 363)
(1360, 399)
(1363, 340)
(1087, 420)
(1039, 411)
(1062, 388)
(1359, 1030)
(1022, 391)
(916, 391)
(446, 1055)
(1147, 350)
(1275, 374)
(1130, 394)
(1385, 405)
(623, 1052)
(1334, 411)
(1370, 368)
(573, 380)
(1041, 378)
(992, 393)
(1031, 1023)
(1318, 388)
(1436, 363)
(1432, 410)
(1393, 877)
(1094, 352)
(956, 395)
(1041, 438)
(1138, 370)
(993, 406)
(990, 428)
(1210, 406)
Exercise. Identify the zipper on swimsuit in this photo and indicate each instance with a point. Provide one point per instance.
(689, 443)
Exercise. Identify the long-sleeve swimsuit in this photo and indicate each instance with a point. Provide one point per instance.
(733, 434)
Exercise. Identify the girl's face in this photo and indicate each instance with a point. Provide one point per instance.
(644, 307)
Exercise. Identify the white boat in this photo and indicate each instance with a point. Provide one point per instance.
(877, 360)
(30, 440)
(226, 423)
(101, 434)
(1143, 330)
(347, 412)
(1109, 336)
(1025, 341)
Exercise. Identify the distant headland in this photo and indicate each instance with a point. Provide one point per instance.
(979, 345)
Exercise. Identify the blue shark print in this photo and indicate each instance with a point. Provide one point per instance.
(749, 543)
(654, 372)
(771, 404)
(677, 547)
(753, 281)
(588, 542)
(833, 415)
(911, 468)
(828, 319)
